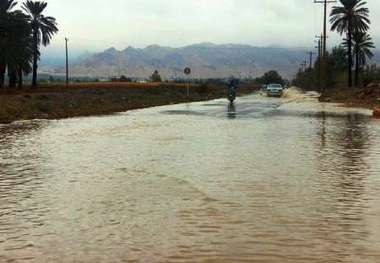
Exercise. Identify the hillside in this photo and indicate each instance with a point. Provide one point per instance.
(206, 60)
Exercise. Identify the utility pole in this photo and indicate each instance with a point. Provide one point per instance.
(310, 53)
(67, 62)
(319, 47)
(325, 3)
(323, 58)
(303, 66)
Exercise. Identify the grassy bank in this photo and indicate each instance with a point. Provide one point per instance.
(368, 97)
(86, 99)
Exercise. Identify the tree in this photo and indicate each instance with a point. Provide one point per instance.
(271, 77)
(43, 29)
(19, 48)
(305, 79)
(338, 59)
(335, 67)
(6, 7)
(156, 76)
(351, 17)
(363, 44)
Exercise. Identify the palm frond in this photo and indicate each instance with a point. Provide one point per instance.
(352, 13)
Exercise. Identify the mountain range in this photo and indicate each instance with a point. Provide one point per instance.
(206, 60)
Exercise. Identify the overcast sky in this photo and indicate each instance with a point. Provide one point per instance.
(99, 24)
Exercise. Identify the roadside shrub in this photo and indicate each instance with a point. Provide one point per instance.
(371, 74)
(45, 106)
(203, 88)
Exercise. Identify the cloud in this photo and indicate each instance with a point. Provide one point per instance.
(95, 24)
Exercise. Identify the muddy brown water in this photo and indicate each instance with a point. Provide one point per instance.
(269, 180)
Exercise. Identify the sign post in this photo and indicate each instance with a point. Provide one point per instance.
(187, 72)
(67, 63)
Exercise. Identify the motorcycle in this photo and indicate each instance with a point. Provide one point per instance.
(231, 94)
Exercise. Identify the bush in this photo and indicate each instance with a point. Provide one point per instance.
(204, 88)
(371, 74)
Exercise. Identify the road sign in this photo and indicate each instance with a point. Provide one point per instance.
(187, 71)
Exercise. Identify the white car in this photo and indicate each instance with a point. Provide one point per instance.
(275, 90)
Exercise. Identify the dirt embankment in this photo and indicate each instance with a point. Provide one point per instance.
(368, 97)
(85, 99)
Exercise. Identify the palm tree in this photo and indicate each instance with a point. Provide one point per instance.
(6, 7)
(17, 42)
(362, 43)
(43, 29)
(21, 47)
(351, 17)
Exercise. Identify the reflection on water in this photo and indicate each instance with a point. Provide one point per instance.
(285, 181)
(231, 111)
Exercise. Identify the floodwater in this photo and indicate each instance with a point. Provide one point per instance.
(269, 180)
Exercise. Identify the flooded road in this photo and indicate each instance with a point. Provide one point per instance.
(269, 180)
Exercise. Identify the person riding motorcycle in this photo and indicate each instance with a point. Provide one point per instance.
(232, 89)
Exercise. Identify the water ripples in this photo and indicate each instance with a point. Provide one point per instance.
(282, 182)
